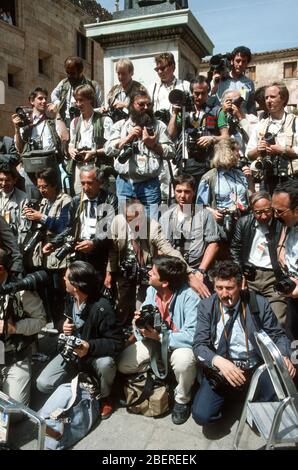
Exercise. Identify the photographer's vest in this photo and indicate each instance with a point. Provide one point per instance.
(66, 86)
(16, 346)
(50, 123)
(289, 129)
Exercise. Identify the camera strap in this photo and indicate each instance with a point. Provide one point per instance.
(273, 254)
(159, 353)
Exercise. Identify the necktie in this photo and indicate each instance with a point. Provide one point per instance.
(92, 213)
(222, 348)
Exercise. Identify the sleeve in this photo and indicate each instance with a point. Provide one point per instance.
(203, 193)
(202, 345)
(185, 336)
(35, 314)
(211, 232)
(115, 136)
(58, 224)
(56, 93)
(164, 140)
(237, 244)
(72, 131)
(222, 120)
(253, 140)
(9, 243)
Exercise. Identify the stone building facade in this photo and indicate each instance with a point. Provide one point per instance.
(265, 67)
(33, 49)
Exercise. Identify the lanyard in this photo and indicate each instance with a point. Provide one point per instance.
(245, 328)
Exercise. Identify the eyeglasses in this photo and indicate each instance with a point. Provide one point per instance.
(280, 212)
(43, 186)
(161, 68)
(264, 211)
(142, 104)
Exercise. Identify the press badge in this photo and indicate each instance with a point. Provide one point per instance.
(142, 163)
(260, 251)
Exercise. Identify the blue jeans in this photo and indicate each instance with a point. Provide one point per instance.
(207, 404)
(148, 193)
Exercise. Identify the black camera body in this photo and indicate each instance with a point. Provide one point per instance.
(181, 99)
(285, 285)
(79, 156)
(117, 114)
(67, 248)
(33, 204)
(131, 271)
(24, 115)
(150, 316)
(242, 162)
(194, 151)
(68, 344)
(30, 282)
(249, 271)
(220, 63)
(128, 151)
(163, 115)
(229, 220)
(269, 138)
(74, 112)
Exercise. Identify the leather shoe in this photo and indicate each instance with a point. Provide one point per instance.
(106, 408)
(180, 413)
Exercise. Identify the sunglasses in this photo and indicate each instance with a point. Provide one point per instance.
(161, 68)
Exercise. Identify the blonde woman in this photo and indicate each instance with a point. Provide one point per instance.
(225, 189)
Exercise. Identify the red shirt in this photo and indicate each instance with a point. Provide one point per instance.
(163, 307)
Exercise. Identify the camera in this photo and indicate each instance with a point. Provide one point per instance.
(242, 162)
(285, 285)
(68, 344)
(229, 219)
(220, 63)
(36, 232)
(74, 112)
(79, 156)
(150, 130)
(182, 99)
(269, 138)
(237, 101)
(131, 271)
(33, 204)
(128, 151)
(30, 282)
(249, 271)
(67, 248)
(163, 115)
(194, 151)
(264, 164)
(24, 115)
(117, 114)
(150, 316)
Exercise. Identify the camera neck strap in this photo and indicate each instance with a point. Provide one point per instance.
(273, 253)
(223, 345)
(159, 353)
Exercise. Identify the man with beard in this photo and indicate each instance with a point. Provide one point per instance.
(139, 145)
(63, 95)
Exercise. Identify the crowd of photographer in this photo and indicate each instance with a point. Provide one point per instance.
(81, 192)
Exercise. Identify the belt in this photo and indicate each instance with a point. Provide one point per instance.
(264, 269)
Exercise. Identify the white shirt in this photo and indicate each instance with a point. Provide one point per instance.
(86, 133)
(259, 253)
(159, 92)
(41, 132)
(88, 224)
(291, 251)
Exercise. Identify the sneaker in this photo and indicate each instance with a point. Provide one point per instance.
(180, 413)
(106, 408)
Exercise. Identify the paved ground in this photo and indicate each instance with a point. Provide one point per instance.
(124, 431)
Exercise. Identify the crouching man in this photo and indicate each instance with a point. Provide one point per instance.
(22, 316)
(178, 306)
(91, 319)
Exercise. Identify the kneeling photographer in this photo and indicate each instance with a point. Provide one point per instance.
(169, 300)
(91, 319)
(22, 316)
(201, 128)
(273, 144)
(225, 344)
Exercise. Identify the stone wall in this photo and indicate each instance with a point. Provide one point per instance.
(44, 30)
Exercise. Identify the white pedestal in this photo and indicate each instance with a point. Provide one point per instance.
(140, 38)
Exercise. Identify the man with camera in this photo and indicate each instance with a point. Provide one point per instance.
(90, 216)
(202, 130)
(36, 131)
(91, 319)
(62, 96)
(285, 207)
(11, 197)
(274, 141)
(87, 136)
(139, 146)
(254, 248)
(225, 345)
(177, 305)
(22, 316)
(235, 79)
(191, 229)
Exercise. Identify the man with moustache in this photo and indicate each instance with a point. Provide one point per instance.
(139, 146)
(225, 345)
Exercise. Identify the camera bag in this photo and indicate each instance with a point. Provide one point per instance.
(35, 161)
(146, 394)
(70, 412)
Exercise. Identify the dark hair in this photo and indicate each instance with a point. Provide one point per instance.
(185, 179)
(83, 276)
(255, 197)
(291, 188)
(259, 95)
(225, 270)
(168, 56)
(243, 51)
(139, 92)
(33, 93)
(172, 270)
(51, 177)
(9, 169)
(199, 80)
(76, 61)
(85, 91)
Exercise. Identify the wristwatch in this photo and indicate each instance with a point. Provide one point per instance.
(199, 270)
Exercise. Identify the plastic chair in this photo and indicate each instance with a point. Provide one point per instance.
(277, 422)
(8, 407)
